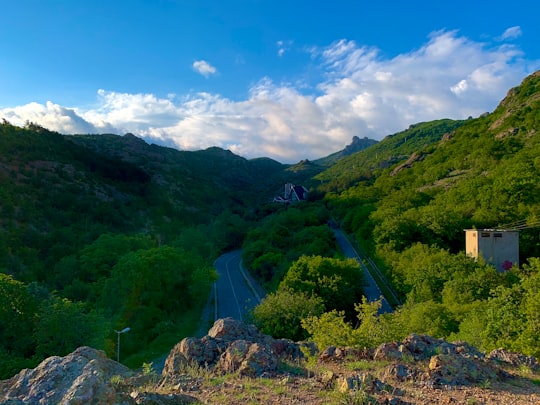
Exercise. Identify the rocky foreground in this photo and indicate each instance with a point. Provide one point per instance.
(235, 363)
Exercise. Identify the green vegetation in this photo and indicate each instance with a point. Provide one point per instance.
(482, 173)
(281, 237)
(407, 200)
(102, 232)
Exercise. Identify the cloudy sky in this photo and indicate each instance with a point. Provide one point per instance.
(287, 79)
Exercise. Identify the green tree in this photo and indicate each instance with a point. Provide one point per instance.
(150, 286)
(98, 258)
(18, 317)
(280, 314)
(329, 329)
(338, 282)
(64, 325)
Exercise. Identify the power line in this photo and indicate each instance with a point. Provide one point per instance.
(521, 225)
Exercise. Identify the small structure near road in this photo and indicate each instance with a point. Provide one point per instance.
(500, 247)
(292, 194)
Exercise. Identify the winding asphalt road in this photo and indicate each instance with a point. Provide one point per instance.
(371, 290)
(236, 292)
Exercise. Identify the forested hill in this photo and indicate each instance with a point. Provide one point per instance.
(429, 183)
(98, 232)
(407, 201)
(59, 191)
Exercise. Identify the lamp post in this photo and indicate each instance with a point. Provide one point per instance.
(119, 332)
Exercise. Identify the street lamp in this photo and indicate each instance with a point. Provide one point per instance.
(119, 332)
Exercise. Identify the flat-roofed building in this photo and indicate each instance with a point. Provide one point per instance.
(500, 247)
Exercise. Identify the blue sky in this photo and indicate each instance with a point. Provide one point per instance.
(285, 79)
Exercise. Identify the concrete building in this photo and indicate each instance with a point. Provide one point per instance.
(499, 247)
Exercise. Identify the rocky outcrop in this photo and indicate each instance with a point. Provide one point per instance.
(436, 362)
(513, 359)
(432, 365)
(415, 157)
(81, 377)
(231, 347)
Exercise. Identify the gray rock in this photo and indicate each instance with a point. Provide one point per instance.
(513, 359)
(81, 377)
(232, 346)
(454, 370)
(249, 359)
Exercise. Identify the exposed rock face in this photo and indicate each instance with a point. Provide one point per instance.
(514, 359)
(251, 359)
(453, 370)
(436, 362)
(81, 377)
(434, 366)
(415, 157)
(232, 346)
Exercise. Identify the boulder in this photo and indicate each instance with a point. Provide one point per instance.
(399, 372)
(81, 377)
(340, 354)
(175, 362)
(454, 370)
(204, 352)
(421, 346)
(248, 359)
(229, 329)
(390, 351)
(232, 346)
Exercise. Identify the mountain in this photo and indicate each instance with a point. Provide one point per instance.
(356, 145)
(102, 231)
(393, 149)
(483, 171)
(55, 184)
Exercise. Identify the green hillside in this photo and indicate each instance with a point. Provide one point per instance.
(479, 173)
(409, 212)
(407, 201)
(393, 149)
(102, 231)
(85, 217)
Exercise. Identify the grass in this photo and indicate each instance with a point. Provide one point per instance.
(295, 368)
(367, 365)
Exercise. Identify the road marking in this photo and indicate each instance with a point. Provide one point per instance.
(232, 288)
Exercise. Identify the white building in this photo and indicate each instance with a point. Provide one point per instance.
(499, 247)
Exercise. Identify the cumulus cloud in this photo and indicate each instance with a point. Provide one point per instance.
(360, 93)
(204, 68)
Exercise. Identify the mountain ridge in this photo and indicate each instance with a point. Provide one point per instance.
(70, 201)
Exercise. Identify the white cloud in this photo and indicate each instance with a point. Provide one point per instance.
(204, 68)
(283, 46)
(360, 93)
(511, 33)
(459, 87)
